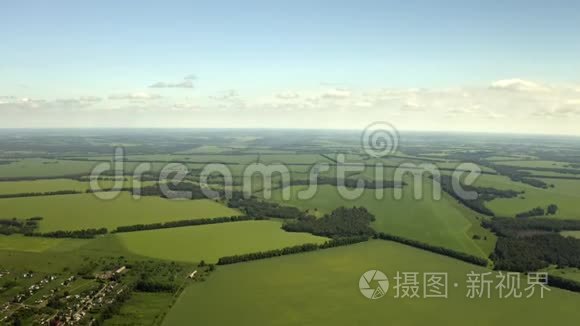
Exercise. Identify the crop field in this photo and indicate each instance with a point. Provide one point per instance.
(574, 234)
(537, 164)
(565, 194)
(44, 168)
(210, 242)
(30, 244)
(52, 185)
(154, 274)
(142, 309)
(321, 289)
(82, 211)
(438, 222)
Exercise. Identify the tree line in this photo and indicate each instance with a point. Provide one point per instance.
(77, 234)
(290, 250)
(181, 223)
(260, 209)
(19, 226)
(436, 249)
(484, 194)
(552, 209)
(349, 183)
(37, 194)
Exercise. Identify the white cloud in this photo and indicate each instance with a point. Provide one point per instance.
(518, 85)
(187, 83)
(135, 96)
(288, 95)
(336, 93)
(412, 105)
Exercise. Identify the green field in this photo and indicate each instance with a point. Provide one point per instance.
(321, 288)
(537, 164)
(565, 194)
(44, 168)
(142, 309)
(81, 211)
(50, 185)
(574, 234)
(33, 244)
(439, 222)
(210, 242)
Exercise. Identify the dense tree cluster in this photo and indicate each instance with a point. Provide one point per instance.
(147, 285)
(78, 234)
(436, 249)
(552, 209)
(342, 222)
(181, 223)
(261, 209)
(183, 190)
(563, 283)
(529, 244)
(289, 250)
(20, 226)
(484, 194)
(534, 252)
(510, 227)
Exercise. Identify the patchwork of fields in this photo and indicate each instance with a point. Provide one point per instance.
(306, 288)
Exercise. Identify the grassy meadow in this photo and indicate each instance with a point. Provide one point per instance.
(82, 211)
(210, 242)
(565, 194)
(438, 222)
(321, 288)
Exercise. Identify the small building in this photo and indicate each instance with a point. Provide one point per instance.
(121, 270)
(192, 275)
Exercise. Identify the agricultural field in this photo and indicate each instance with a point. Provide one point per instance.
(53, 185)
(175, 261)
(83, 211)
(321, 288)
(565, 194)
(210, 242)
(439, 222)
(44, 168)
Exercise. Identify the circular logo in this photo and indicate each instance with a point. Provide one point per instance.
(373, 284)
(380, 139)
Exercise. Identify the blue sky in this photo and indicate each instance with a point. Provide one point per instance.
(69, 49)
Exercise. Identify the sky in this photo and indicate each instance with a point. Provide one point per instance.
(510, 66)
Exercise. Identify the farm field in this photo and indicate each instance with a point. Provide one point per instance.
(297, 290)
(51, 185)
(31, 244)
(44, 168)
(142, 309)
(82, 211)
(438, 222)
(565, 194)
(210, 242)
(536, 164)
(574, 234)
